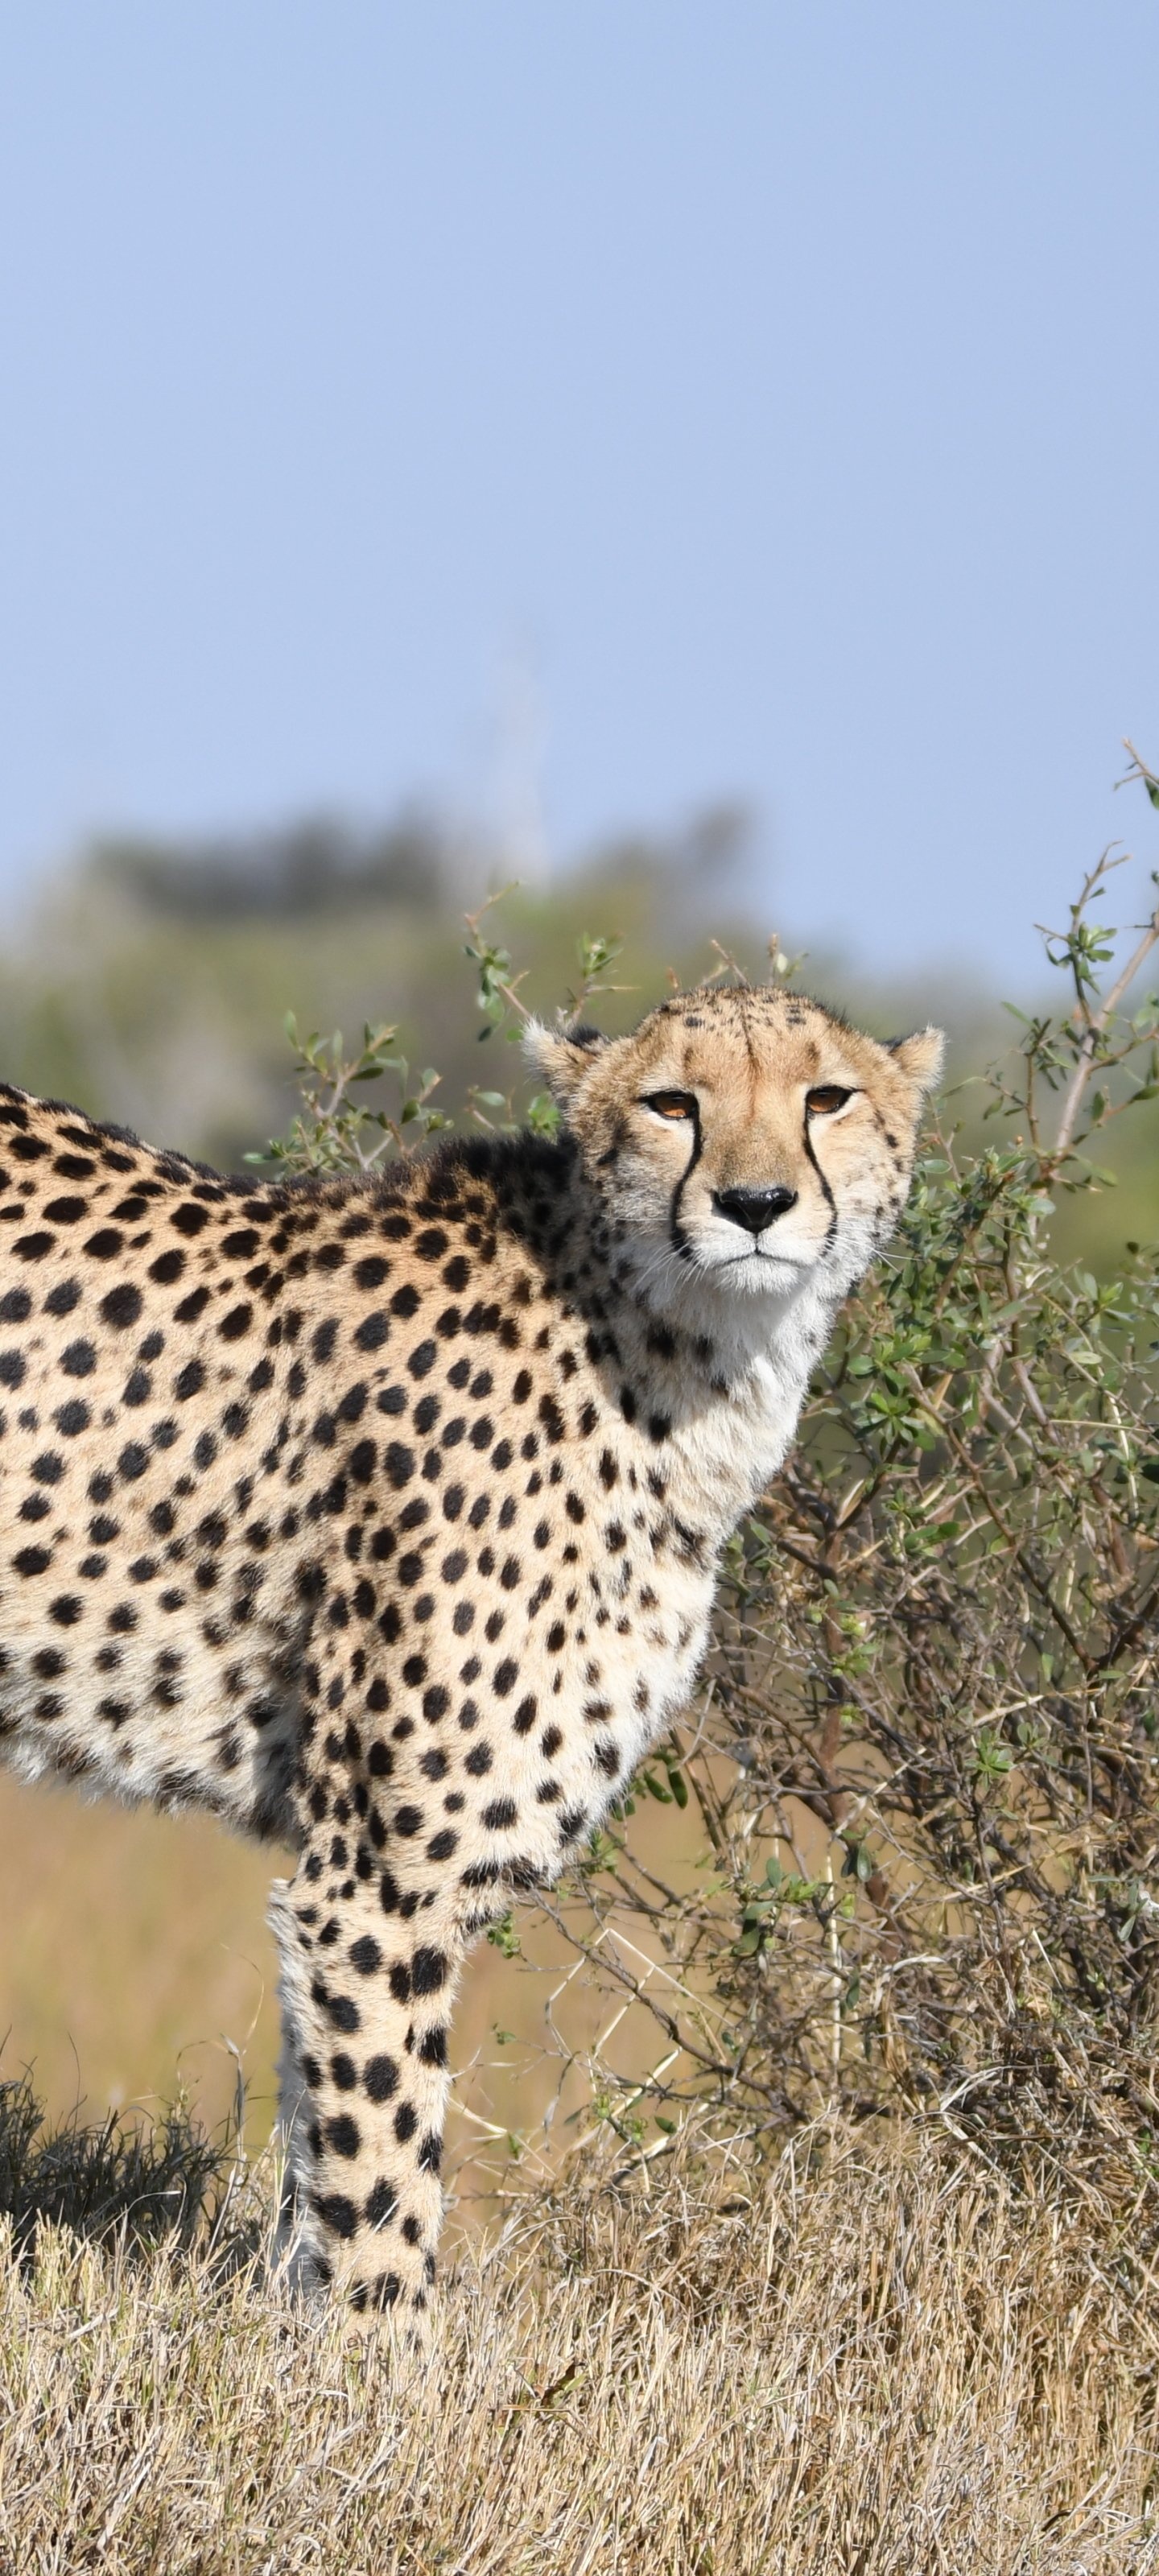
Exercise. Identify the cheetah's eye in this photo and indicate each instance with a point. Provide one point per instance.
(670, 1104)
(827, 1097)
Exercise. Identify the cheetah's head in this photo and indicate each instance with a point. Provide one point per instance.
(744, 1140)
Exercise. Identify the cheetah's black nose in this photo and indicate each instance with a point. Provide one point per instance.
(755, 1209)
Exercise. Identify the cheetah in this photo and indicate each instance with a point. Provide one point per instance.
(381, 1515)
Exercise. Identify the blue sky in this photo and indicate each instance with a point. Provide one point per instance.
(776, 385)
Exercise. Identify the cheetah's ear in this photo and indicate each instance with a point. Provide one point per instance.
(562, 1056)
(920, 1056)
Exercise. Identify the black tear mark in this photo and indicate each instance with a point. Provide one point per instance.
(680, 1241)
(826, 1193)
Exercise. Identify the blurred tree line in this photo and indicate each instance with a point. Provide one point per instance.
(151, 982)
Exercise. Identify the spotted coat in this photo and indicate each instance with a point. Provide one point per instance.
(381, 1516)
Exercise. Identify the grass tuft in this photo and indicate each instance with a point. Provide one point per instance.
(871, 2353)
(148, 2183)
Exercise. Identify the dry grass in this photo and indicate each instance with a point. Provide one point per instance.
(876, 2357)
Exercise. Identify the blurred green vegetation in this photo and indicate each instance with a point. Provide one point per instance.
(150, 984)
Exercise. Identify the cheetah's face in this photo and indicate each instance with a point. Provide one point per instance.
(746, 1139)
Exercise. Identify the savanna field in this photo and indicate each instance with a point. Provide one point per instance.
(804, 2172)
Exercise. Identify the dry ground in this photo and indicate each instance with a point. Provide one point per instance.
(875, 2358)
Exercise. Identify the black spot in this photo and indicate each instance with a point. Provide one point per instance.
(106, 1244)
(503, 1811)
(189, 1381)
(61, 1299)
(79, 1360)
(381, 2204)
(189, 1219)
(133, 1460)
(31, 1560)
(365, 1955)
(337, 2213)
(16, 1306)
(344, 2135)
(405, 2123)
(167, 1267)
(380, 2078)
(122, 1305)
(72, 1418)
(341, 2011)
(234, 1325)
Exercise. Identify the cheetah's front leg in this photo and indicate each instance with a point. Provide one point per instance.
(365, 2000)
